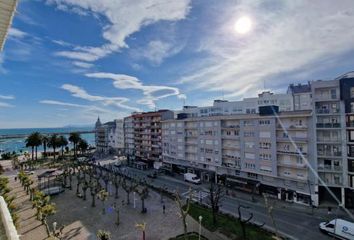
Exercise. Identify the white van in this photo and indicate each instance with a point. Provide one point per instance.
(338, 228)
(191, 177)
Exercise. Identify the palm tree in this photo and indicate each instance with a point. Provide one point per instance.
(53, 143)
(37, 141)
(63, 142)
(74, 138)
(82, 145)
(45, 141)
(30, 142)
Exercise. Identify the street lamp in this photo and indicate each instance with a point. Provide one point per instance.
(200, 225)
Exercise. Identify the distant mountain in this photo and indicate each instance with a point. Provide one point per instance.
(79, 126)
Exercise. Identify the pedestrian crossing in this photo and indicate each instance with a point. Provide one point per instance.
(196, 196)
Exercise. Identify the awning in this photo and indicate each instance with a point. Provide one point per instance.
(7, 11)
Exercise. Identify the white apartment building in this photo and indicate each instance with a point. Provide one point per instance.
(248, 151)
(110, 137)
(245, 106)
(129, 135)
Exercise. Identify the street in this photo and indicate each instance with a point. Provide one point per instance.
(289, 220)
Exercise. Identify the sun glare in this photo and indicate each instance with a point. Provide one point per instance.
(243, 25)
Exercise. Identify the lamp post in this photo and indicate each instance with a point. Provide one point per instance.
(200, 226)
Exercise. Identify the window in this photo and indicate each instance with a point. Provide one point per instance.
(249, 144)
(352, 92)
(264, 134)
(333, 93)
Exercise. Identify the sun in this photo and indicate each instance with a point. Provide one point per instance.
(243, 25)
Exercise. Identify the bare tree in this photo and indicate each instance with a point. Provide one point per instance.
(129, 187)
(143, 193)
(216, 195)
(270, 207)
(183, 211)
(117, 180)
(243, 223)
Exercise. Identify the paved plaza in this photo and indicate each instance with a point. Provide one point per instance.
(83, 221)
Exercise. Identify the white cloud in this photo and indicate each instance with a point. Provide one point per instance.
(5, 105)
(114, 101)
(152, 93)
(62, 43)
(86, 110)
(83, 64)
(124, 18)
(7, 97)
(293, 36)
(59, 103)
(156, 51)
(16, 33)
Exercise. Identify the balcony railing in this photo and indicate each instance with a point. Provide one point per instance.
(328, 125)
(290, 152)
(350, 124)
(330, 168)
(329, 153)
(327, 111)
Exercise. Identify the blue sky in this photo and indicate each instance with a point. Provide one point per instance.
(68, 61)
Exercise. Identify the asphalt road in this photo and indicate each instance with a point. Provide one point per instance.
(289, 221)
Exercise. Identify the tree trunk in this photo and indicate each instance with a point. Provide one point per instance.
(36, 154)
(128, 198)
(32, 153)
(185, 227)
(46, 227)
(93, 200)
(243, 230)
(142, 205)
(84, 197)
(116, 195)
(117, 220)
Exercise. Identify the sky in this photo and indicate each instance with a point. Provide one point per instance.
(66, 62)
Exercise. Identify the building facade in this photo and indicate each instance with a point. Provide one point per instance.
(147, 137)
(129, 135)
(109, 137)
(248, 151)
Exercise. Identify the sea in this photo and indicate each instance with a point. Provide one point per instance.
(18, 145)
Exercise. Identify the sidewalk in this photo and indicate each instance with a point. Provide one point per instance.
(29, 228)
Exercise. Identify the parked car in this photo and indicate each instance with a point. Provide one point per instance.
(338, 228)
(191, 177)
(29, 172)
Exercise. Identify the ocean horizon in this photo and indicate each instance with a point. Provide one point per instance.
(18, 144)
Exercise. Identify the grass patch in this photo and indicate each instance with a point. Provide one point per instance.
(227, 224)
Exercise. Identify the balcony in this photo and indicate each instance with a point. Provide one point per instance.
(329, 154)
(295, 139)
(292, 165)
(350, 124)
(327, 111)
(230, 126)
(328, 125)
(329, 168)
(291, 153)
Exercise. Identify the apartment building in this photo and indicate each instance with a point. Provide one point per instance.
(129, 135)
(147, 137)
(109, 137)
(253, 152)
(245, 106)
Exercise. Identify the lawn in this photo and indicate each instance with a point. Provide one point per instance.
(227, 224)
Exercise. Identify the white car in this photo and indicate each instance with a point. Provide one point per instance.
(338, 228)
